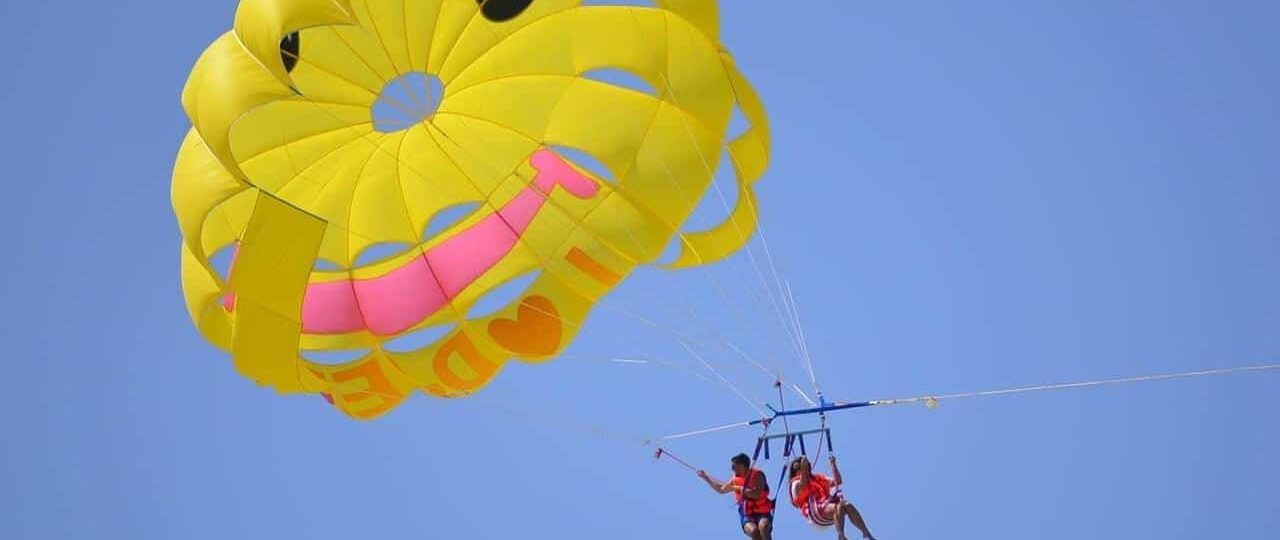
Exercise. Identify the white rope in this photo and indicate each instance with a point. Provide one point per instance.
(808, 360)
(755, 266)
(932, 401)
(1046, 387)
(723, 379)
(703, 431)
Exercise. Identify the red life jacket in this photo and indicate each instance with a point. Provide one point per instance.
(818, 488)
(759, 505)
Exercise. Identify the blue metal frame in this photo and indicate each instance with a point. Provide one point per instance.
(821, 409)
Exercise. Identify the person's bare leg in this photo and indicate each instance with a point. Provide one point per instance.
(849, 510)
(836, 513)
(751, 530)
(766, 529)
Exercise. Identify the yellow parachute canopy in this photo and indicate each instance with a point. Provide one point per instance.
(323, 129)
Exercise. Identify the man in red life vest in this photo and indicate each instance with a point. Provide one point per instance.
(819, 499)
(751, 489)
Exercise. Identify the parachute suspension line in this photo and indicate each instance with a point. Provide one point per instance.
(932, 401)
(808, 360)
(675, 366)
(706, 272)
(782, 402)
(803, 355)
(670, 91)
(724, 380)
(706, 431)
(751, 360)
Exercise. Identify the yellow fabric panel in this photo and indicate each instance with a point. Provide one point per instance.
(480, 36)
(751, 149)
(226, 221)
(430, 181)
(455, 366)
(337, 342)
(673, 166)
(491, 151)
(750, 156)
(225, 82)
(384, 21)
(605, 121)
(583, 243)
(327, 85)
(200, 184)
(420, 20)
(492, 103)
(378, 209)
(295, 132)
(652, 142)
(331, 63)
(203, 295)
(701, 13)
(276, 255)
(261, 24)
(715, 244)
(361, 41)
(572, 112)
(451, 21)
(484, 173)
(667, 51)
(364, 389)
(536, 327)
(622, 226)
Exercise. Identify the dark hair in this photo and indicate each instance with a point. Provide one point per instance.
(795, 464)
(742, 459)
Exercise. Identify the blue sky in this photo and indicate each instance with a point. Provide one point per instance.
(965, 195)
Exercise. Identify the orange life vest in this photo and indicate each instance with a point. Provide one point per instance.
(759, 505)
(818, 488)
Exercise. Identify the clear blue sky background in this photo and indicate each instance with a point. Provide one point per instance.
(966, 195)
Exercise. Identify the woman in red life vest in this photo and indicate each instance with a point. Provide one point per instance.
(819, 500)
(751, 489)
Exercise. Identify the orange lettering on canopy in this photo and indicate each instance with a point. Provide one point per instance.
(376, 396)
(462, 346)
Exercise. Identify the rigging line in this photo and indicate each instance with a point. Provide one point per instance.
(695, 433)
(813, 377)
(1085, 384)
(724, 380)
(788, 306)
(676, 366)
(932, 400)
(670, 91)
(756, 363)
(804, 396)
